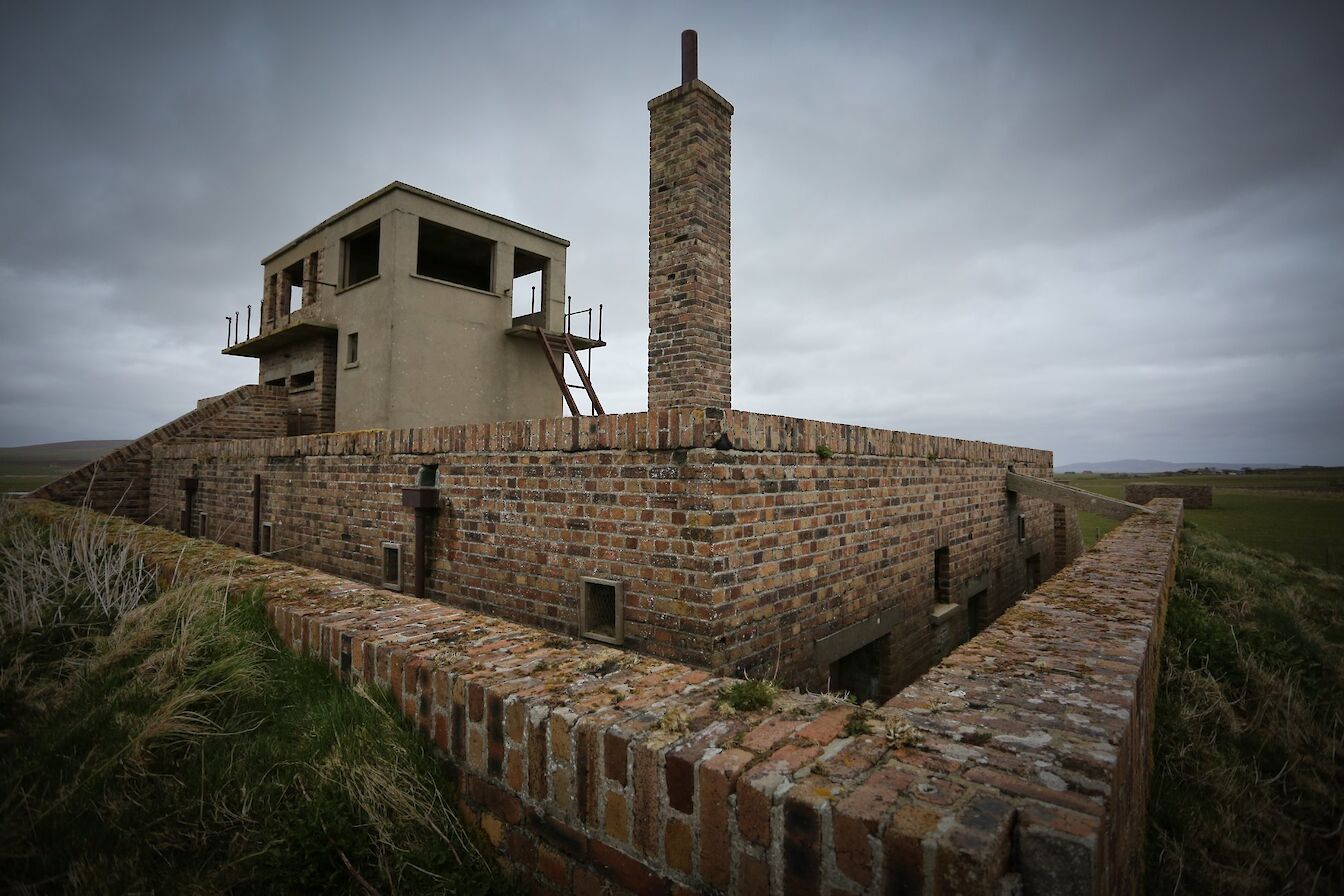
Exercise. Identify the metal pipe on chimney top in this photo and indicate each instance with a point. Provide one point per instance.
(690, 56)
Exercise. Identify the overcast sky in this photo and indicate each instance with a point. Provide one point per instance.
(1102, 229)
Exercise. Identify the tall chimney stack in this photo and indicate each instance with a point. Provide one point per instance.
(690, 276)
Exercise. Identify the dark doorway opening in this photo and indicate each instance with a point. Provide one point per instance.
(860, 673)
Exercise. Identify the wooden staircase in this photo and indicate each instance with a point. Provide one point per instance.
(557, 347)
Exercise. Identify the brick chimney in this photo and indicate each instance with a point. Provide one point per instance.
(690, 278)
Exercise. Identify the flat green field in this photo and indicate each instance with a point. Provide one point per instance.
(1298, 512)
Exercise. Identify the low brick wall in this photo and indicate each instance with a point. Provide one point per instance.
(1196, 497)
(119, 482)
(1023, 757)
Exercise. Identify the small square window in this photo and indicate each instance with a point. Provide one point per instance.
(392, 565)
(359, 255)
(267, 537)
(351, 349)
(601, 610)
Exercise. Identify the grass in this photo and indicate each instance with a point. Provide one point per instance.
(1295, 512)
(748, 696)
(168, 743)
(1248, 782)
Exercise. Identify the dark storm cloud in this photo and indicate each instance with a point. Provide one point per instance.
(1107, 230)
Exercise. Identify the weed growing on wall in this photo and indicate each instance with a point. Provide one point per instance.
(180, 748)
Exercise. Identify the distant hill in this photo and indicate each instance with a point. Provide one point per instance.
(55, 456)
(1160, 466)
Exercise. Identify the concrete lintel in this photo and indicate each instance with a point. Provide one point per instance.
(1072, 497)
(851, 638)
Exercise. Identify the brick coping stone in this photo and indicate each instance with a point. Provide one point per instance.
(1019, 762)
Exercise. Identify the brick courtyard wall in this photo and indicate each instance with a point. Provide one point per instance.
(1196, 497)
(1068, 535)
(119, 482)
(734, 560)
(1018, 764)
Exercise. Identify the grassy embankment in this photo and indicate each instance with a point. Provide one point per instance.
(1298, 512)
(1248, 784)
(167, 743)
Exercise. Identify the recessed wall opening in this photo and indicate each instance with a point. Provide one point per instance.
(293, 275)
(975, 613)
(202, 524)
(601, 610)
(529, 282)
(359, 255)
(455, 256)
(428, 476)
(300, 381)
(392, 565)
(942, 576)
(267, 537)
(1033, 572)
(351, 349)
(278, 381)
(1021, 528)
(860, 673)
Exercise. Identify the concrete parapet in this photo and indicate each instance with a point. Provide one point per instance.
(1022, 757)
(1196, 497)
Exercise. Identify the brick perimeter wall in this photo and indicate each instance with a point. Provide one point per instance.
(1020, 760)
(120, 482)
(1196, 497)
(733, 560)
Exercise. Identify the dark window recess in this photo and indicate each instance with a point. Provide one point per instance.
(428, 476)
(352, 348)
(360, 254)
(1021, 527)
(202, 525)
(860, 673)
(294, 276)
(445, 253)
(1033, 572)
(301, 380)
(975, 613)
(942, 576)
(601, 611)
(267, 537)
(392, 565)
(278, 381)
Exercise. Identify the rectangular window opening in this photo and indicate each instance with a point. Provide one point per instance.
(202, 524)
(392, 565)
(300, 381)
(942, 576)
(359, 254)
(601, 610)
(293, 275)
(278, 381)
(975, 613)
(860, 673)
(351, 349)
(455, 256)
(1033, 572)
(529, 283)
(1022, 528)
(267, 537)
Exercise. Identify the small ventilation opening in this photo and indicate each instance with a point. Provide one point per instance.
(202, 524)
(392, 565)
(267, 537)
(601, 614)
(1021, 528)
(859, 674)
(428, 477)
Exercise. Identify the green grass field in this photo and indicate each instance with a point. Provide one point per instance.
(1297, 512)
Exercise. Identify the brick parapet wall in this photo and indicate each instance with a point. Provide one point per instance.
(1196, 497)
(673, 429)
(120, 481)
(1022, 758)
